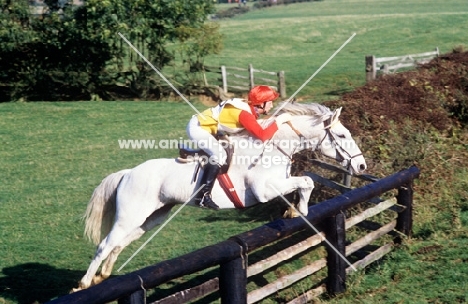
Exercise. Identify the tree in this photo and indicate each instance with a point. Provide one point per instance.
(153, 26)
(76, 53)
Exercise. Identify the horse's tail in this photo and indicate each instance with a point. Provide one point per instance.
(100, 212)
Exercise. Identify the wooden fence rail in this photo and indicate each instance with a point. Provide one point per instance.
(232, 255)
(243, 79)
(387, 65)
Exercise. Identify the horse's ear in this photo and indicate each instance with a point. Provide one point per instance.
(336, 114)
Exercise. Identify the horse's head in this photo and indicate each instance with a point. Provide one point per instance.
(322, 130)
(337, 143)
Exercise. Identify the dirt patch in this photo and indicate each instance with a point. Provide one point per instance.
(418, 117)
(434, 94)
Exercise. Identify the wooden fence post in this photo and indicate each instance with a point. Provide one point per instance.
(335, 233)
(138, 297)
(405, 218)
(370, 68)
(282, 84)
(347, 180)
(233, 280)
(224, 77)
(385, 69)
(251, 76)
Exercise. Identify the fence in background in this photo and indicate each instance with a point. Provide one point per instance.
(39, 7)
(231, 256)
(241, 79)
(388, 65)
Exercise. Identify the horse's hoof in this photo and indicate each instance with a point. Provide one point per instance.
(75, 289)
(97, 279)
(290, 213)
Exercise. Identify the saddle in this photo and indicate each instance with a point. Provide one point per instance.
(187, 155)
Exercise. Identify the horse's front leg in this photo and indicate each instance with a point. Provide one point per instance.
(276, 187)
(304, 195)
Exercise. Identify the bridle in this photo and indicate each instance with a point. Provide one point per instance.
(341, 152)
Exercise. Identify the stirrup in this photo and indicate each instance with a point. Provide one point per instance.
(207, 202)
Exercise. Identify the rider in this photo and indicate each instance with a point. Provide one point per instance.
(230, 116)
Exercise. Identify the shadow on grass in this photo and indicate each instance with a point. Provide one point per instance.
(339, 92)
(269, 211)
(36, 283)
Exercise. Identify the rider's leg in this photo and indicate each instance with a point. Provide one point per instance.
(217, 158)
(210, 172)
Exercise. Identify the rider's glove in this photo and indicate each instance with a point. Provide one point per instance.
(282, 118)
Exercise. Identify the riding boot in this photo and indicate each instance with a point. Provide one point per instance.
(208, 179)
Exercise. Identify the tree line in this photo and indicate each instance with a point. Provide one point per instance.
(75, 53)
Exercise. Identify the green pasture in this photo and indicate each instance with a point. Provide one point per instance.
(53, 155)
(299, 38)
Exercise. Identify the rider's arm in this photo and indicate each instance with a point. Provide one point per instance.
(249, 122)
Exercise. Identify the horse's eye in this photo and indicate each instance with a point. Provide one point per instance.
(341, 135)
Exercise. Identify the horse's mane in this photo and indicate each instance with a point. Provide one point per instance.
(316, 113)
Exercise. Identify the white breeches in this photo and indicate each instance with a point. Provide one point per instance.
(206, 141)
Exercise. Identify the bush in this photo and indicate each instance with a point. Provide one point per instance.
(78, 55)
(418, 117)
(51, 58)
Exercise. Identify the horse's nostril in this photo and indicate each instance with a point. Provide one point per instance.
(362, 167)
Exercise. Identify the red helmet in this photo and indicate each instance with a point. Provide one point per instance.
(260, 94)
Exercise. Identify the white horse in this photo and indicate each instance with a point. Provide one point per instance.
(130, 202)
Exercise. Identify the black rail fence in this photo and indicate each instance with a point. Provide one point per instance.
(230, 257)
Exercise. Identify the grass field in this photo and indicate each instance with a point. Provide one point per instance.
(299, 38)
(54, 154)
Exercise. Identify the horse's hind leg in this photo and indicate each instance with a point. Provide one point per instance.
(105, 247)
(120, 236)
(112, 258)
(153, 220)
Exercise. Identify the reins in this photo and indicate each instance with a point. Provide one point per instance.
(327, 126)
(340, 150)
(298, 134)
(295, 130)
